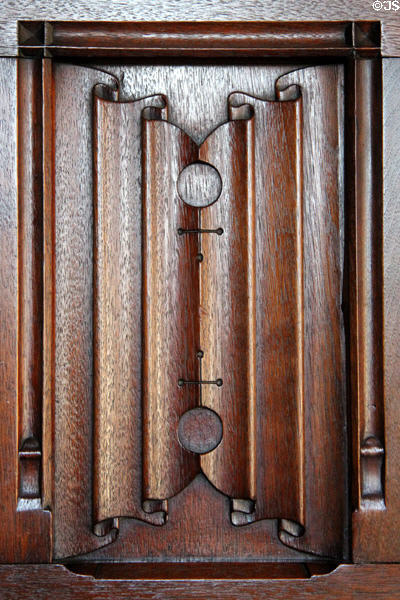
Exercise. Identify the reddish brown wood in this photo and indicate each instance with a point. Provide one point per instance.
(117, 344)
(227, 308)
(170, 310)
(325, 480)
(48, 292)
(86, 400)
(72, 326)
(375, 523)
(188, 38)
(25, 534)
(347, 581)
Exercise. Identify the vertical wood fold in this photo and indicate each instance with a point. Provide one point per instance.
(227, 328)
(72, 105)
(324, 417)
(118, 310)
(170, 310)
(48, 282)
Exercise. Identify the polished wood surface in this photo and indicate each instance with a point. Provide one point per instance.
(143, 11)
(347, 581)
(199, 308)
(256, 39)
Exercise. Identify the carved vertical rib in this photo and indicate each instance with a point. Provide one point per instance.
(118, 311)
(278, 307)
(30, 281)
(325, 473)
(227, 329)
(48, 283)
(170, 310)
(369, 284)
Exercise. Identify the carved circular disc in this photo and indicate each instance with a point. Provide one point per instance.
(199, 184)
(200, 430)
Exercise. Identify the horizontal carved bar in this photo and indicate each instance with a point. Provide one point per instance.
(62, 38)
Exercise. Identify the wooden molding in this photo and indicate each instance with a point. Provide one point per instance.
(197, 39)
(45, 581)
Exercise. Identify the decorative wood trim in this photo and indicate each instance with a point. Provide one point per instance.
(198, 39)
(347, 581)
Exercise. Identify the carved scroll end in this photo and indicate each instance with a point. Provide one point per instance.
(156, 511)
(157, 112)
(289, 529)
(108, 527)
(242, 511)
(30, 462)
(108, 89)
(287, 93)
(372, 455)
(285, 89)
(239, 109)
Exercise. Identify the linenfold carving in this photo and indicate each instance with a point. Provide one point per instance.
(216, 306)
(217, 282)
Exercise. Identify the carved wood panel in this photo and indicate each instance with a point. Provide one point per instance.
(198, 309)
(199, 339)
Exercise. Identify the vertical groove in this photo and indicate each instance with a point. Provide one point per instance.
(300, 310)
(369, 282)
(251, 236)
(29, 279)
(48, 282)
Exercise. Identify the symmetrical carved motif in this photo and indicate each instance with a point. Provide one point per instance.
(217, 327)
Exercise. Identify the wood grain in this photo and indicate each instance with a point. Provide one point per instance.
(25, 534)
(197, 39)
(347, 581)
(118, 310)
(227, 327)
(30, 278)
(73, 324)
(203, 10)
(73, 271)
(324, 377)
(170, 310)
(375, 536)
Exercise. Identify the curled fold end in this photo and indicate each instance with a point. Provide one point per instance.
(107, 90)
(110, 527)
(158, 110)
(286, 91)
(288, 530)
(242, 511)
(107, 527)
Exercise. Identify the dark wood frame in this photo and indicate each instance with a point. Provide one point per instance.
(358, 44)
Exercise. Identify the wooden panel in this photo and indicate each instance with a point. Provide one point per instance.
(198, 39)
(170, 310)
(360, 581)
(73, 378)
